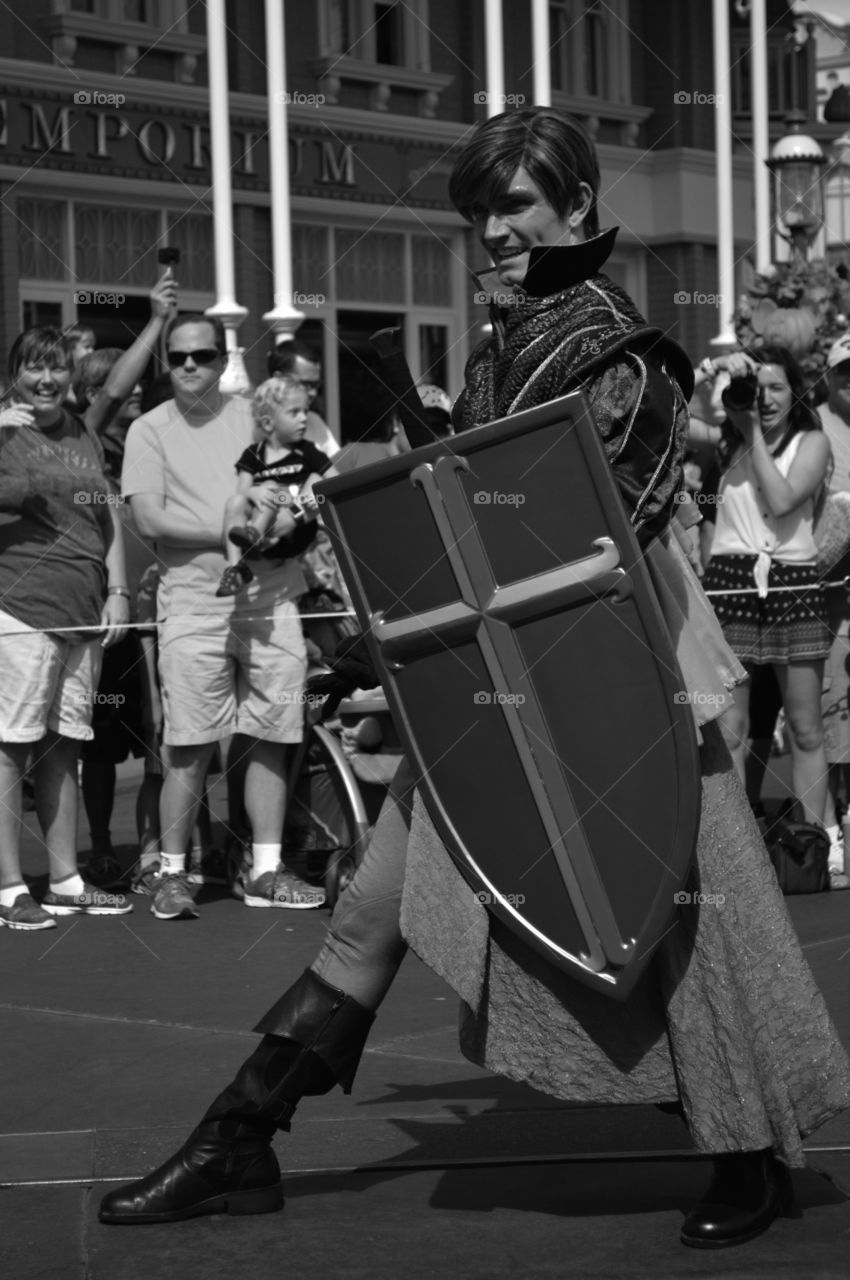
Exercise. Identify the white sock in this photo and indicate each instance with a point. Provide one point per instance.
(9, 892)
(265, 857)
(72, 885)
(834, 833)
(172, 864)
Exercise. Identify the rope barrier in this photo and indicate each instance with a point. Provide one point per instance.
(751, 591)
(98, 628)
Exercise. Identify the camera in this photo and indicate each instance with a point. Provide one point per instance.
(168, 257)
(741, 394)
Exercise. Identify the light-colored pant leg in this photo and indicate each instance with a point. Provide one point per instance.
(364, 947)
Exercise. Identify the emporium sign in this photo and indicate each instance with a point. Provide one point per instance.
(88, 133)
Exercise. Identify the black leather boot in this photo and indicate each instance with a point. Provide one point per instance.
(314, 1039)
(749, 1189)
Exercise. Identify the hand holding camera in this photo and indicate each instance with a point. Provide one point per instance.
(164, 292)
(740, 398)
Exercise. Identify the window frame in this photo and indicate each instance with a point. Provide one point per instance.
(614, 50)
(361, 22)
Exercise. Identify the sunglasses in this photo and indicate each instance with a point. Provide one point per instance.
(206, 355)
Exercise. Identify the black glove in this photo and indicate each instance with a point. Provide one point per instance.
(351, 669)
(353, 662)
(329, 689)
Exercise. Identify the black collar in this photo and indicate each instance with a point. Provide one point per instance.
(553, 268)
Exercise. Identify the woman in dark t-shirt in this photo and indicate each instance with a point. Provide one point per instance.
(61, 568)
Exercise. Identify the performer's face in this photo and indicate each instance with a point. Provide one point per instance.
(523, 219)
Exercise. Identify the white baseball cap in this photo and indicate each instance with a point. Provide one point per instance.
(839, 351)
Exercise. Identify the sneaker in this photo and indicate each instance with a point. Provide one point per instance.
(91, 902)
(172, 898)
(244, 536)
(837, 879)
(282, 888)
(234, 578)
(145, 879)
(26, 914)
(104, 870)
(207, 866)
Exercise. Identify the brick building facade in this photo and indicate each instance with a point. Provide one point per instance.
(104, 158)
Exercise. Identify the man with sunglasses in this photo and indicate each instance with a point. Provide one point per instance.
(227, 666)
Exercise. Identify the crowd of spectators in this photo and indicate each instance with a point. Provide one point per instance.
(156, 537)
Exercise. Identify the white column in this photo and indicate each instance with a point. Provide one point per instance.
(226, 308)
(495, 57)
(540, 53)
(725, 217)
(283, 317)
(761, 139)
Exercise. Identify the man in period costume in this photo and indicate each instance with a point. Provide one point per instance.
(727, 1020)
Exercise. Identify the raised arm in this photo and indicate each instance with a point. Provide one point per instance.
(128, 370)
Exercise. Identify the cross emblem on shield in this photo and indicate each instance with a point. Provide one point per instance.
(532, 679)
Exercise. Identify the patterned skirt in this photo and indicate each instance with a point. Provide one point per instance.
(787, 625)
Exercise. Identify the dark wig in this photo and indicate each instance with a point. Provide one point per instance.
(39, 346)
(802, 416)
(553, 149)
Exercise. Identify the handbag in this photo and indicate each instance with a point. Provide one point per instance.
(799, 852)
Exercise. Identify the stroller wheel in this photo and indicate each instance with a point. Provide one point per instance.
(339, 874)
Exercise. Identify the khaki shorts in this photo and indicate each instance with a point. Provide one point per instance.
(45, 683)
(239, 668)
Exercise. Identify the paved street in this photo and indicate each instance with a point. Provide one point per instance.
(117, 1032)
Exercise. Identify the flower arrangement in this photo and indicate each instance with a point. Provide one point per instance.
(804, 306)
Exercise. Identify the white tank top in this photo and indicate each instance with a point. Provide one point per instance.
(744, 523)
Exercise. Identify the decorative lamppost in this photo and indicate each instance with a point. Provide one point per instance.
(796, 163)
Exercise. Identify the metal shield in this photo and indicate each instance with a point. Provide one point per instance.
(532, 680)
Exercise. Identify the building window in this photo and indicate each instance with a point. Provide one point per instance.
(370, 266)
(42, 239)
(366, 280)
(386, 46)
(589, 48)
(392, 33)
(192, 234)
(160, 13)
(432, 272)
(116, 245)
(67, 250)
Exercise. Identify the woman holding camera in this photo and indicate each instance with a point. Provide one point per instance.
(761, 576)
